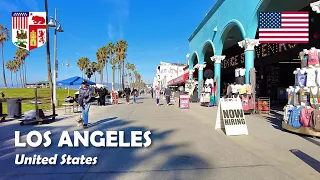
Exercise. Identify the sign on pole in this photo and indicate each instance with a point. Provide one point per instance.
(230, 116)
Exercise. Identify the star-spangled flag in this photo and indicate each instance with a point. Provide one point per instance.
(284, 27)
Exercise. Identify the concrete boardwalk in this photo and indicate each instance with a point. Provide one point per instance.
(184, 146)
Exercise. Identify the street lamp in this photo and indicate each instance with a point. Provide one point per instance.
(55, 24)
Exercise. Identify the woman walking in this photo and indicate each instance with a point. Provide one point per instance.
(157, 93)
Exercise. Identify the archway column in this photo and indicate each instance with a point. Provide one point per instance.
(200, 77)
(248, 45)
(217, 72)
(191, 71)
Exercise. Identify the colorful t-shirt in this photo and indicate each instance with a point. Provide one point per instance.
(311, 77)
(306, 116)
(287, 112)
(296, 99)
(290, 92)
(301, 78)
(313, 57)
(304, 59)
(243, 89)
(294, 119)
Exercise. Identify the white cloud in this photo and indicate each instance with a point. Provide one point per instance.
(119, 12)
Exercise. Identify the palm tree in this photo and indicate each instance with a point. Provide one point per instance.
(4, 36)
(113, 62)
(94, 67)
(127, 66)
(21, 55)
(10, 67)
(83, 64)
(121, 51)
(101, 57)
(88, 72)
(119, 73)
(16, 65)
(110, 49)
(130, 78)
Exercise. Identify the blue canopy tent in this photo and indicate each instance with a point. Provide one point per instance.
(76, 80)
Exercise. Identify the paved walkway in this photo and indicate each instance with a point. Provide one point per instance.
(185, 146)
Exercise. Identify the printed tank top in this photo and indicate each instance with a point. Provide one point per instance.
(304, 59)
(315, 122)
(314, 94)
(311, 77)
(304, 97)
(290, 92)
(313, 57)
(301, 79)
(296, 100)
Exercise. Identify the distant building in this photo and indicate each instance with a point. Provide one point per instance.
(40, 84)
(165, 72)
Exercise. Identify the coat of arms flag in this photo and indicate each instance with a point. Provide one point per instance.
(29, 29)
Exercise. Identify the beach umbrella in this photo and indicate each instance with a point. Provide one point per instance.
(76, 80)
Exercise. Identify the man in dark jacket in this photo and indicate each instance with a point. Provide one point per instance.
(167, 93)
(102, 96)
(85, 99)
(127, 92)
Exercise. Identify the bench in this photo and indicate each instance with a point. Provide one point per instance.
(69, 106)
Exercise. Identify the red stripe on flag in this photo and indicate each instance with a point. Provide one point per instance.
(295, 22)
(287, 37)
(299, 42)
(298, 26)
(294, 18)
(297, 12)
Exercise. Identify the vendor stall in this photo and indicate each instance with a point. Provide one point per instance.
(302, 112)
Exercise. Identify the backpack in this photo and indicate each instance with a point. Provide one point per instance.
(306, 116)
(294, 119)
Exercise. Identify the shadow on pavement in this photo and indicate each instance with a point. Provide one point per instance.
(315, 164)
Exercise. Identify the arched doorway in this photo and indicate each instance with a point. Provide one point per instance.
(232, 34)
(208, 52)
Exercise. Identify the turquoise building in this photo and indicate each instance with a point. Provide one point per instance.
(231, 23)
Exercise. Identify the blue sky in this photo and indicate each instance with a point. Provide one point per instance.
(154, 30)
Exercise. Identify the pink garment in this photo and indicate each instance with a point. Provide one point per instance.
(306, 116)
(313, 57)
(245, 103)
(214, 90)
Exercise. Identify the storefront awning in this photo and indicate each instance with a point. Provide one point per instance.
(179, 80)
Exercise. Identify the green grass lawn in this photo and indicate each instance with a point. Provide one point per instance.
(27, 95)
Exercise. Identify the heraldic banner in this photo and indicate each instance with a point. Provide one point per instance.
(29, 29)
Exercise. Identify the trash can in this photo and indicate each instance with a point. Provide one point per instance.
(14, 107)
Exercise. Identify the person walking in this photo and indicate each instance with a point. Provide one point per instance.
(157, 93)
(167, 94)
(127, 92)
(152, 93)
(134, 94)
(85, 99)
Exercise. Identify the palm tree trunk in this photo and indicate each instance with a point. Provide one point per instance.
(17, 79)
(21, 77)
(25, 74)
(22, 71)
(95, 78)
(101, 77)
(123, 75)
(113, 74)
(3, 70)
(107, 74)
(11, 78)
(48, 60)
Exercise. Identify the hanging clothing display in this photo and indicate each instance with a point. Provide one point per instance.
(304, 59)
(311, 77)
(301, 78)
(313, 57)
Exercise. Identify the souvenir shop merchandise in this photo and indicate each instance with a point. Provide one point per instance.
(311, 77)
(302, 112)
(242, 89)
(313, 56)
(249, 89)
(287, 112)
(304, 96)
(294, 118)
(234, 89)
(300, 77)
(240, 75)
(304, 59)
(306, 116)
(315, 121)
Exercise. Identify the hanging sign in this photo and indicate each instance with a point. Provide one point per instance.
(230, 116)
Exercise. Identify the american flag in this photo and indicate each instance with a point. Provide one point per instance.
(20, 20)
(284, 27)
